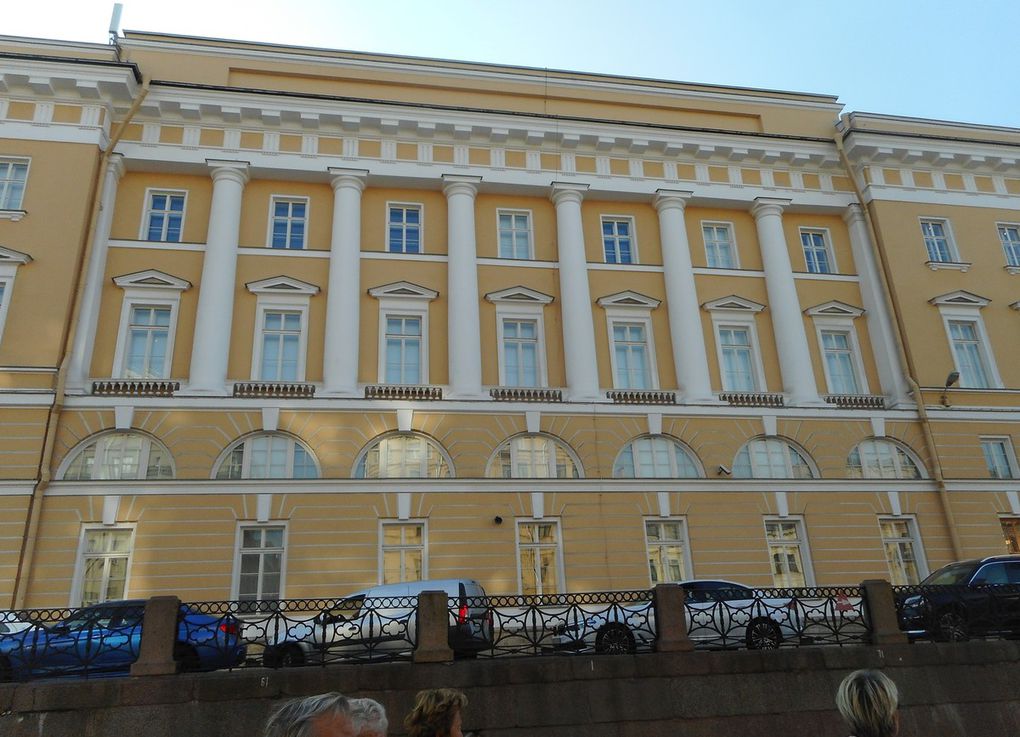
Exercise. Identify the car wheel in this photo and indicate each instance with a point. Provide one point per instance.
(952, 627)
(763, 634)
(287, 656)
(187, 656)
(614, 639)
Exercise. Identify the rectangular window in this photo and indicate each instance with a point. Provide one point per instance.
(148, 336)
(1011, 533)
(103, 564)
(999, 458)
(618, 240)
(281, 346)
(403, 350)
(787, 553)
(259, 565)
(737, 360)
(902, 550)
(287, 222)
(539, 557)
(404, 229)
(13, 175)
(817, 255)
(1010, 237)
(3, 305)
(840, 370)
(938, 241)
(720, 252)
(164, 217)
(667, 550)
(969, 354)
(514, 234)
(520, 352)
(630, 349)
(403, 552)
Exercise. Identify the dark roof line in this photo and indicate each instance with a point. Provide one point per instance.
(75, 60)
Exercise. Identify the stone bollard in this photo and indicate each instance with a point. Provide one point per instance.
(671, 620)
(159, 634)
(433, 628)
(885, 627)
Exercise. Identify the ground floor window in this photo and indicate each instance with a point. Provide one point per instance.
(1011, 533)
(539, 557)
(902, 545)
(788, 553)
(104, 559)
(402, 552)
(666, 540)
(258, 570)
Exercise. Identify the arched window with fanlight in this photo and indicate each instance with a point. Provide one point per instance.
(772, 458)
(534, 456)
(403, 455)
(267, 456)
(656, 457)
(117, 456)
(879, 458)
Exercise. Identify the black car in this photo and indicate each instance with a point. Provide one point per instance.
(972, 598)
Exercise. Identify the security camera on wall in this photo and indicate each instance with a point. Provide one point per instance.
(724, 471)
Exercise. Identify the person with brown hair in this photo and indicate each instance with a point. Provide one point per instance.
(436, 713)
(867, 699)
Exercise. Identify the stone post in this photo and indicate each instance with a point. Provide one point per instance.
(885, 627)
(671, 620)
(159, 633)
(433, 624)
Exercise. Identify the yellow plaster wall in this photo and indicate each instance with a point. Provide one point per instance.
(255, 224)
(131, 204)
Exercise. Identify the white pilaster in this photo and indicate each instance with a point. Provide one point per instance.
(685, 329)
(787, 321)
(578, 324)
(465, 351)
(92, 290)
(211, 347)
(880, 324)
(340, 354)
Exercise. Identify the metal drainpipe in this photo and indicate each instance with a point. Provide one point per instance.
(30, 535)
(902, 343)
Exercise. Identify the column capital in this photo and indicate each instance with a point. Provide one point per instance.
(343, 178)
(115, 165)
(666, 199)
(235, 170)
(853, 213)
(769, 206)
(460, 184)
(567, 192)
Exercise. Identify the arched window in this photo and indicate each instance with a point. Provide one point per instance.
(267, 456)
(771, 458)
(119, 456)
(656, 457)
(403, 456)
(881, 459)
(533, 456)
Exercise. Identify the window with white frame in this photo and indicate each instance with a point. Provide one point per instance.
(104, 559)
(630, 356)
(402, 552)
(259, 564)
(520, 330)
(668, 552)
(514, 233)
(879, 458)
(533, 456)
(839, 356)
(148, 324)
(969, 353)
(720, 249)
(164, 216)
(818, 256)
(403, 456)
(403, 332)
(1000, 459)
(788, 553)
(903, 554)
(280, 342)
(288, 221)
(403, 349)
(13, 177)
(520, 352)
(1011, 533)
(10, 260)
(539, 557)
(938, 240)
(737, 365)
(618, 240)
(118, 456)
(403, 233)
(655, 457)
(771, 458)
(1009, 236)
(267, 456)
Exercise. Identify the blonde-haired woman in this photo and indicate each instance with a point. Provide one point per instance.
(436, 713)
(867, 699)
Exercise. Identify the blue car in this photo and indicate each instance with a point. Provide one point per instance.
(104, 639)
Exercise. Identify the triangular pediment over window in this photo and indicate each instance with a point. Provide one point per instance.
(960, 298)
(834, 308)
(519, 295)
(10, 256)
(629, 299)
(733, 303)
(152, 279)
(403, 289)
(281, 285)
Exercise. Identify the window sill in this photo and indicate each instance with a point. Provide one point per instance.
(1012, 269)
(13, 215)
(963, 266)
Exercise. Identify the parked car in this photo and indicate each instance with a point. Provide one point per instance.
(720, 614)
(12, 623)
(105, 639)
(378, 620)
(978, 597)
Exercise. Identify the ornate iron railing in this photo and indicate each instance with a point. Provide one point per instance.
(135, 388)
(753, 399)
(957, 613)
(525, 394)
(404, 391)
(627, 396)
(274, 390)
(857, 401)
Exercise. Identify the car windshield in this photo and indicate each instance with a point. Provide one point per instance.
(957, 574)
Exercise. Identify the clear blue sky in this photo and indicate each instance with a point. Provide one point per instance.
(924, 58)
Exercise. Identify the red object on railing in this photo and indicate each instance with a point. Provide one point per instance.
(228, 628)
(462, 614)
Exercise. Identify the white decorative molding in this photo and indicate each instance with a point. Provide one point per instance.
(519, 295)
(627, 299)
(152, 279)
(960, 298)
(733, 303)
(282, 285)
(963, 266)
(270, 419)
(834, 308)
(123, 416)
(403, 290)
(10, 256)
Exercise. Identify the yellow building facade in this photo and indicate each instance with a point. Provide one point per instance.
(287, 322)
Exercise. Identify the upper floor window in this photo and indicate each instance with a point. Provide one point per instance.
(655, 457)
(288, 222)
(533, 456)
(118, 456)
(618, 240)
(281, 341)
(520, 330)
(970, 353)
(148, 335)
(771, 458)
(10, 261)
(817, 253)
(630, 356)
(404, 229)
(738, 359)
(720, 251)
(267, 456)
(1009, 235)
(164, 216)
(403, 349)
(520, 352)
(938, 239)
(514, 234)
(881, 459)
(13, 175)
(403, 332)
(281, 328)
(999, 457)
(403, 456)
(148, 322)
(840, 362)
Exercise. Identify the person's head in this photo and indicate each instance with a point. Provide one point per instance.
(436, 713)
(369, 718)
(867, 699)
(325, 715)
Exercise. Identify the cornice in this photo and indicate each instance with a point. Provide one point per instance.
(58, 79)
(888, 148)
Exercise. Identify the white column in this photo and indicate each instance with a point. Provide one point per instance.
(787, 320)
(465, 350)
(343, 295)
(210, 349)
(92, 291)
(578, 325)
(879, 321)
(685, 329)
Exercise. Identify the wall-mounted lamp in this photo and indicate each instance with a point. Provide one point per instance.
(954, 376)
(724, 471)
(497, 520)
